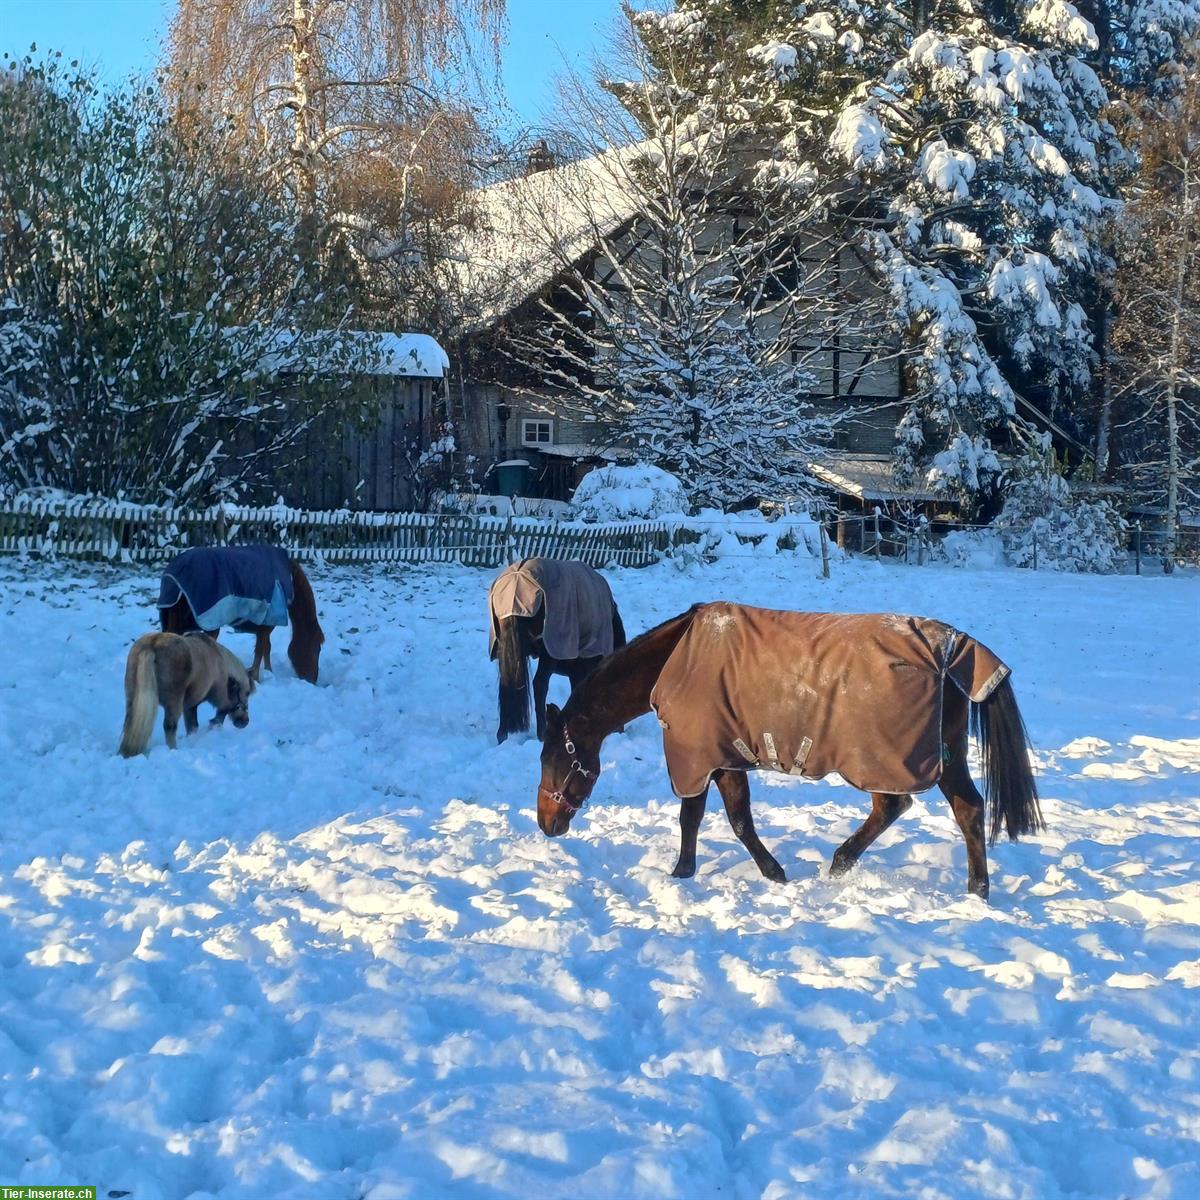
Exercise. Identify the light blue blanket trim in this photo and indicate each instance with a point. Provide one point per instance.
(230, 610)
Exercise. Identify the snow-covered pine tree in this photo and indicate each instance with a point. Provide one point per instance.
(964, 145)
(696, 294)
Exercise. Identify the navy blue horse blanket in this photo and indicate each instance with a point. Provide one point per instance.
(230, 585)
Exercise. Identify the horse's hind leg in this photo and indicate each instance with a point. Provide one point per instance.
(735, 791)
(172, 711)
(967, 805)
(191, 719)
(691, 812)
(885, 808)
(262, 652)
(959, 788)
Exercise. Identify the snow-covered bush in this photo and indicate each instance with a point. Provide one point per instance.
(1043, 521)
(974, 548)
(640, 492)
(146, 279)
(750, 534)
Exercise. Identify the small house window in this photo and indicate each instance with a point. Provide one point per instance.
(537, 433)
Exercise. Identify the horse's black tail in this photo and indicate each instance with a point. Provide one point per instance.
(515, 699)
(1008, 777)
(618, 628)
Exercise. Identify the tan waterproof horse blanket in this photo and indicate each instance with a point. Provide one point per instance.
(814, 693)
(575, 599)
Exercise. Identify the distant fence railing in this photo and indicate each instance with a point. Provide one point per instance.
(115, 531)
(920, 541)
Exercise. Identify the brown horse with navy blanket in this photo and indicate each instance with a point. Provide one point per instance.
(252, 589)
(881, 699)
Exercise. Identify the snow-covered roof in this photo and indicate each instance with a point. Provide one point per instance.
(579, 450)
(415, 355)
(867, 476)
(530, 228)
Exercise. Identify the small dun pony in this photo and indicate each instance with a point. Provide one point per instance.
(179, 673)
(881, 699)
(252, 589)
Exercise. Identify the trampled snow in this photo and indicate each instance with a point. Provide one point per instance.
(331, 955)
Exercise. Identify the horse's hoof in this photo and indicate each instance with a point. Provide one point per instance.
(840, 866)
(683, 872)
(979, 889)
(773, 871)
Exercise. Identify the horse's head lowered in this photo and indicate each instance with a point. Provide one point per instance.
(570, 768)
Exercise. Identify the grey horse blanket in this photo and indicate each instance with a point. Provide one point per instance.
(575, 599)
(814, 693)
(230, 585)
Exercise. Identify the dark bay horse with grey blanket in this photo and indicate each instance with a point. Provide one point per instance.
(251, 588)
(560, 612)
(881, 699)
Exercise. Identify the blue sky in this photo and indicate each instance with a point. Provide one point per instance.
(119, 37)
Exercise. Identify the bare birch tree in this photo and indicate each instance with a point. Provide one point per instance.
(1157, 336)
(364, 104)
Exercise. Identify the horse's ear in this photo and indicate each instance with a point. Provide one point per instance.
(554, 716)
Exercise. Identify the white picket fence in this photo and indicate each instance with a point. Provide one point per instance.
(114, 531)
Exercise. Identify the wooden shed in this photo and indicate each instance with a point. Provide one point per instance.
(338, 465)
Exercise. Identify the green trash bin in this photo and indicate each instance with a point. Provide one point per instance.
(511, 476)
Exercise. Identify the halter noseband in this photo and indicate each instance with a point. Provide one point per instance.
(559, 796)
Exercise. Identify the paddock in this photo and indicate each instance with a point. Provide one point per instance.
(332, 954)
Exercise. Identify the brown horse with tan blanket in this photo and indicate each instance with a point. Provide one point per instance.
(560, 612)
(881, 699)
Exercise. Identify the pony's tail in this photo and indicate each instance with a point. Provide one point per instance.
(515, 700)
(1008, 777)
(141, 701)
(618, 628)
(304, 650)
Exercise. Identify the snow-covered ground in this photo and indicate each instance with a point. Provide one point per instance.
(332, 957)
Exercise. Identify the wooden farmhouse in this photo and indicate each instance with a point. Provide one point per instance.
(535, 231)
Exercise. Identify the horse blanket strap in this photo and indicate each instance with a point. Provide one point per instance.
(575, 600)
(230, 585)
(814, 693)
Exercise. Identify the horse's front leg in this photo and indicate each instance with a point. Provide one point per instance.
(735, 791)
(885, 808)
(191, 719)
(691, 812)
(541, 685)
